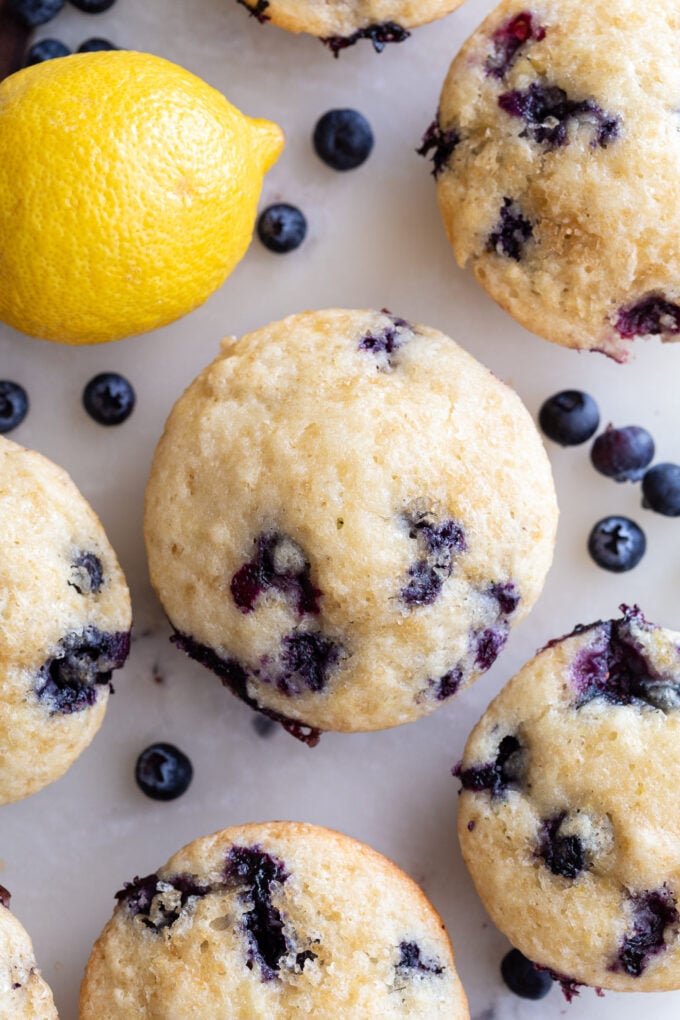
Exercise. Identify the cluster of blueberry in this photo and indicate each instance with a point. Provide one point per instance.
(33, 13)
(108, 398)
(624, 454)
(343, 139)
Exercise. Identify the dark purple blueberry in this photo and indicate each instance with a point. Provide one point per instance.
(661, 489)
(343, 139)
(46, 49)
(35, 12)
(93, 6)
(309, 657)
(155, 900)
(263, 726)
(138, 894)
(506, 772)
(523, 977)
(569, 417)
(263, 923)
(163, 772)
(447, 685)
(487, 646)
(440, 143)
(563, 854)
(411, 961)
(235, 678)
(623, 454)
(282, 228)
(256, 10)
(441, 540)
(652, 914)
(5, 897)
(423, 586)
(109, 398)
(547, 111)
(506, 595)
(380, 35)
(278, 564)
(87, 574)
(383, 344)
(617, 544)
(511, 232)
(651, 316)
(302, 958)
(95, 45)
(13, 405)
(82, 662)
(509, 39)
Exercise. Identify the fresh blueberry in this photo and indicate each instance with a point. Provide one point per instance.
(379, 35)
(282, 228)
(263, 923)
(617, 544)
(343, 139)
(35, 12)
(523, 977)
(569, 418)
(46, 49)
(623, 454)
(13, 405)
(95, 45)
(661, 489)
(93, 6)
(109, 398)
(163, 772)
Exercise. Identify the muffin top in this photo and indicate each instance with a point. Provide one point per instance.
(24, 995)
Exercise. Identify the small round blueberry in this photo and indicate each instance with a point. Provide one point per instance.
(95, 45)
(569, 418)
(13, 405)
(343, 139)
(35, 12)
(46, 49)
(617, 544)
(623, 454)
(282, 228)
(523, 977)
(661, 489)
(109, 398)
(163, 772)
(93, 6)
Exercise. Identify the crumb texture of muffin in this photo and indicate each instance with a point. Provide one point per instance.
(65, 621)
(276, 920)
(568, 817)
(24, 995)
(345, 516)
(557, 154)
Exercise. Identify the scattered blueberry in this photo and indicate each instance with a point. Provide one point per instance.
(509, 39)
(651, 316)
(506, 772)
(343, 139)
(440, 143)
(488, 645)
(661, 489)
(547, 111)
(411, 961)
(13, 405)
(617, 544)
(282, 228)
(263, 923)
(511, 232)
(68, 681)
(87, 574)
(653, 912)
(309, 657)
(523, 977)
(150, 894)
(35, 12)
(380, 35)
(279, 564)
(423, 586)
(623, 454)
(93, 6)
(109, 398)
(163, 772)
(46, 49)
(447, 685)
(95, 45)
(563, 854)
(569, 418)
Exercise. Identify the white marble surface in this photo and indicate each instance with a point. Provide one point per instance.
(375, 239)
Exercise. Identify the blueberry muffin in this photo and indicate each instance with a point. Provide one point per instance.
(345, 517)
(64, 622)
(278, 920)
(556, 150)
(342, 23)
(24, 995)
(569, 816)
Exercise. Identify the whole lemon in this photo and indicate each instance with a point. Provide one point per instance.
(128, 193)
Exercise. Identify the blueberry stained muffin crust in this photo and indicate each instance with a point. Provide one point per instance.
(64, 622)
(342, 23)
(24, 995)
(278, 920)
(557, 154)
(345, 516)
(568, 816)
